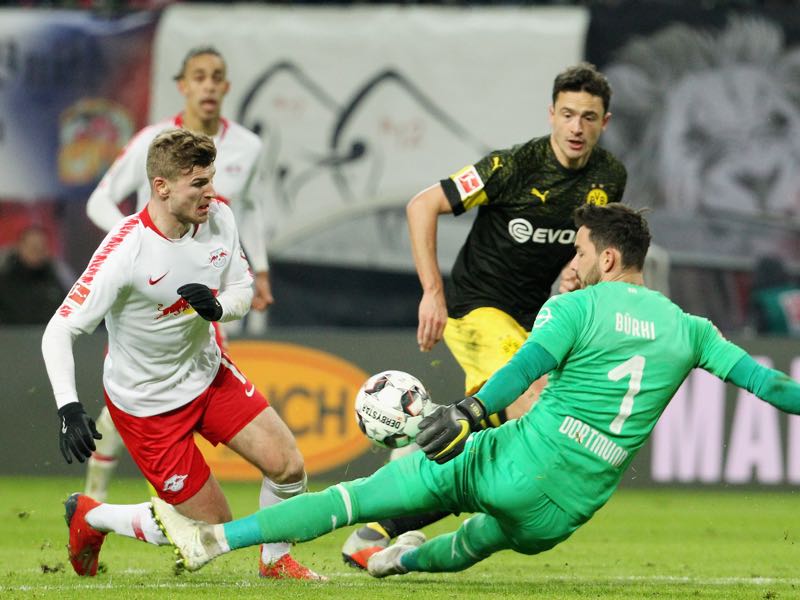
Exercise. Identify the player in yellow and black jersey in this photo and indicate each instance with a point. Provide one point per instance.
(523, 234)
(520, 241)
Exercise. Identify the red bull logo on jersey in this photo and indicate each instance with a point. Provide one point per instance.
(175, 483)
(219, 258)
(176, 308)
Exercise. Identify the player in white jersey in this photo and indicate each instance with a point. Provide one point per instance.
(203, 82)
(159, 279)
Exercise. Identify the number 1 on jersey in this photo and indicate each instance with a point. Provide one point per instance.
(635, 368)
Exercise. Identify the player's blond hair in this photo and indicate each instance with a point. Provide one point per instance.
(176, 152)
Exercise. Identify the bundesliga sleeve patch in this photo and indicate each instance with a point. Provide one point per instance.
(468, 182)
(79, 293)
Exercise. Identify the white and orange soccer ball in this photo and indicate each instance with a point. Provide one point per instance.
(390, 406)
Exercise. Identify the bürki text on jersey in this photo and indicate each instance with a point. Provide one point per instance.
(624, 323)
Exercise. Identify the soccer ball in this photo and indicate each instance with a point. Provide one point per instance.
(389, 407)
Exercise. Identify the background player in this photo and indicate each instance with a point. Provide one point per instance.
(158, 279)
(616, 351)
(202, 80)
(520, 241)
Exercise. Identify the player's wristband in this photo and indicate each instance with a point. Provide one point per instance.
(497, 419)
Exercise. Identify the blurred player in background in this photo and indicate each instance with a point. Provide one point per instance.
(160, 279)
(521, 240)
(203, 82)
(616, 353)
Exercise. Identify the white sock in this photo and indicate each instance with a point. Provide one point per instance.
(103, 461)
(272, 493)
(131, 520)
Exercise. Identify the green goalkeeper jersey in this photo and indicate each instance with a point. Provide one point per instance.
(622, 351)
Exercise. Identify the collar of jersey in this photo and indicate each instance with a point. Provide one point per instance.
(178, 122)
(147, 221)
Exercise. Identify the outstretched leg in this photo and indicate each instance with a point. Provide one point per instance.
(396, 488)
(477, 538)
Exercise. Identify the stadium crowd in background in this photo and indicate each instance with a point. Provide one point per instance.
(160, 279)
(32, 281)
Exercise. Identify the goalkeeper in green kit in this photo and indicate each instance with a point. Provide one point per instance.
(616, 353)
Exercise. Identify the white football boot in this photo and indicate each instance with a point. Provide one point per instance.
(196, 543)
(387, 562)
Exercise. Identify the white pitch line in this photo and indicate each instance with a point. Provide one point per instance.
(712, 581)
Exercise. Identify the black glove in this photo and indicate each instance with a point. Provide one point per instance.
(202, 300)
(77, 433)
(443, 434)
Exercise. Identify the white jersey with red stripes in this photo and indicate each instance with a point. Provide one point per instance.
(237, 181)
(161, 353)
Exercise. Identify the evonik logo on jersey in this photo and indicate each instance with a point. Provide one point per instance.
(522, 231)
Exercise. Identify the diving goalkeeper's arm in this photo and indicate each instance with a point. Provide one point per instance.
(443, 434)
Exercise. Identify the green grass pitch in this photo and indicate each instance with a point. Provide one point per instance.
(643, 544)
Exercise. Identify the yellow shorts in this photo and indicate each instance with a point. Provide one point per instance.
(482, 341)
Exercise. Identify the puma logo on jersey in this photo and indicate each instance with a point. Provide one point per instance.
(496, 163)
(541, 196)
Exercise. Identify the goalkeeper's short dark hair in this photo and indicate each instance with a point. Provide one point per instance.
(616, 226)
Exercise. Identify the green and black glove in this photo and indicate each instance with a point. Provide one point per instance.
(443, 434)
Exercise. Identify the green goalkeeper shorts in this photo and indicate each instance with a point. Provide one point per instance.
(492, 476)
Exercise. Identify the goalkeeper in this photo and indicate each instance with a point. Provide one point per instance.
(616, 353)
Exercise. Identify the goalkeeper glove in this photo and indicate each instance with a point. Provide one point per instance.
(77, 433)
(443, 434)
(202, 300)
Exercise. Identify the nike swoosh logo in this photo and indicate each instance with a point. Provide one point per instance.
(249, 393)
(152, 281)
(63, 425)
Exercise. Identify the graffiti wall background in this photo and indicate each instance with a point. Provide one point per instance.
(706, 118)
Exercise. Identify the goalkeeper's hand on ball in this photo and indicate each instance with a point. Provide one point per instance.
(443, 434)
